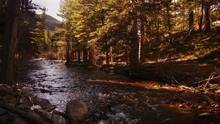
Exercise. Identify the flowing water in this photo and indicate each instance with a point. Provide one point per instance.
(58, 83)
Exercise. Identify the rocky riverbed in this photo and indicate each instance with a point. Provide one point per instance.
(57, 83)
(18, 106)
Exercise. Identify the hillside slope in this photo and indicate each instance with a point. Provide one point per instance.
(51, 22)
(184, 47)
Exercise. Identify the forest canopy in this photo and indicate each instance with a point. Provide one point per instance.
(134, 28)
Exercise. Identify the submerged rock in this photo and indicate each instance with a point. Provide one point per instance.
(76, 111)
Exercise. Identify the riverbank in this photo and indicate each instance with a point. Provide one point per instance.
(19, 106)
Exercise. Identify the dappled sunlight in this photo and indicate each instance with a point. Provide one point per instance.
(109, 62)
(145, 85)
(186, 100)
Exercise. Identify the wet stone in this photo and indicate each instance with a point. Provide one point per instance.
(58, 119)
(76, 111)
(45, 104)
(6, 118)
(19, 121)
(23, 107)
(2, 111)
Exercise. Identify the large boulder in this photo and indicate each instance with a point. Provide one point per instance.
(76, 111)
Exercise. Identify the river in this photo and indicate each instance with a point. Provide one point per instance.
(58, 83)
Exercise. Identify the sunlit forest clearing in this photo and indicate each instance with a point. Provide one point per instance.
(110, 62)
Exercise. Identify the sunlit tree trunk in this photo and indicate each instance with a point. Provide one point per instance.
(141, 49)
(109, 57)
(92, 55)
(110, 54)
(201, 17)
(10, 40)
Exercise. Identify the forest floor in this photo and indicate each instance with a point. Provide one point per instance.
(190, 60)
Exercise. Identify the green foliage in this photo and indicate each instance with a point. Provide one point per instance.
(31, 36)
(107, 23)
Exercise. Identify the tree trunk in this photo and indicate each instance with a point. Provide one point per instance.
(68, 45)
(92, 55)
(78, 55)
(134, 43)
(207, 26)
(107, 56)
(191, 20)
(110, 54)
(168, 16)
(191, 16)
(68, 59)
(10, 40)
(201, 17)
(141, 44)
(158, 37)
(85, 54)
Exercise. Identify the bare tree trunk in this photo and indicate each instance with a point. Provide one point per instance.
(10, 40)
(79, 55)
(142, 40)
(158, 37)
(74, 55)
(191, 20)
(68, 45)
(92, 55)
(207, 26)
(85, 54)
(191, 16)
(134, 43)
(110, 54)
(107, 56)
(201, 17)
(68, 59)
(168, 16)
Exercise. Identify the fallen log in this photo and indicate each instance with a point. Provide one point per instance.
(29, 116)
(141, 85)
(119, 83)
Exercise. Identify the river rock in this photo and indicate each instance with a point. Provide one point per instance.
(76, 111)
(6, 89)
(44, 114)
(57, 119)
(44, 103)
